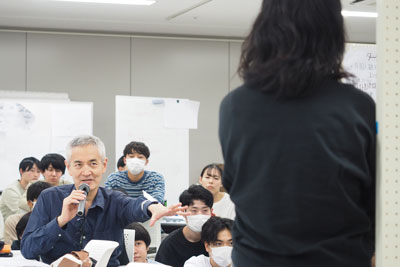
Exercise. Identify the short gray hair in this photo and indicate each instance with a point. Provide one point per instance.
(85, 140)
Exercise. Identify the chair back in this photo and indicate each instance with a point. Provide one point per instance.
(129, 239)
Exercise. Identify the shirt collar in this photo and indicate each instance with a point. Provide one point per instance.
(98, 199)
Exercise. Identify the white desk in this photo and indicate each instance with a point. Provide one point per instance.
(17, 260)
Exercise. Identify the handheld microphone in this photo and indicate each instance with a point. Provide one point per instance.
(81, 207)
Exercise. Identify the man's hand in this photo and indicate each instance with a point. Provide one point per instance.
(158, 211)
(70, 207)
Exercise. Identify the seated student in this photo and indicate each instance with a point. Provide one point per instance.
(29, 171)
(20, 228)
(185, 242)
(216, 234)
(142, 243)
(210, 179)
(32, 195)
(121, 166)
(52, 167)
(136, 179)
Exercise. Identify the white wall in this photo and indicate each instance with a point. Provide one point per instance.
(96, 68)
(388, 154)
(12, 61)
(234, 58)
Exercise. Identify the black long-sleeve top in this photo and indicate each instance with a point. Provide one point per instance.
(301, 173)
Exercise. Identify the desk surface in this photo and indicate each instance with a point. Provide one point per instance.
(17, 260)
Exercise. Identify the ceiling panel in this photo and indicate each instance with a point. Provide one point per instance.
(215, 18)
(227, 18)
(41, 9)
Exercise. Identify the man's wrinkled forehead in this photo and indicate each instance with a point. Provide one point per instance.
(88, 153)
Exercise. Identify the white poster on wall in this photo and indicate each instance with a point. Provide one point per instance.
(360, 60)
(142, 119)
(30, 129)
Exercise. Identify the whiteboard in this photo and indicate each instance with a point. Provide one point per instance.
(360, 60)
(138, 119)
(35, 128)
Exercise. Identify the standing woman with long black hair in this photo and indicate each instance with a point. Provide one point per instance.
(299, 145)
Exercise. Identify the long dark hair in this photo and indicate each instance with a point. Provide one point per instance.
(294, 45)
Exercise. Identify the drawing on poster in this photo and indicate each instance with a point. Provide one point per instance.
(360, 60)
(14, 116)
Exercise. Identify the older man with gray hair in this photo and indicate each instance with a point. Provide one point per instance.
(54, 229)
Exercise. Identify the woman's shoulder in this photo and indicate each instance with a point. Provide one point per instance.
(350, 92)
(226, 198)
(225, 207)
(239, 97)
(240, 91)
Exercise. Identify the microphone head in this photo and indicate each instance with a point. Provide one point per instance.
(85, 188)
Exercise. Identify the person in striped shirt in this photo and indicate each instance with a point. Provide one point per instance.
(136, 179)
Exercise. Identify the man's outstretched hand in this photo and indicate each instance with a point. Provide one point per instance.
(158, 211)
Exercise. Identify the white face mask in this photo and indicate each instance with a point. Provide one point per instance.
(222, 255)
(135, 165)
(195, 222)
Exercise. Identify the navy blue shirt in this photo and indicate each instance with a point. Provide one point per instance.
(110, 212)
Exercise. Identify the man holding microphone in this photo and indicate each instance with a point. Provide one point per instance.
(54, 228)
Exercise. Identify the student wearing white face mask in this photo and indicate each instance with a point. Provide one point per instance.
(185, 242)
(217, 237)
(136, 179)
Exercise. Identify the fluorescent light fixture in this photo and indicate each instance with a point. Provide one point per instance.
(346, 13)
(119, 2)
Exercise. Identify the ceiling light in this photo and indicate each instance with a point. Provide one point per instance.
(120, 2)
(346, 13)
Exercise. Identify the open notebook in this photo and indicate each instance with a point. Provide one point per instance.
(100, 250)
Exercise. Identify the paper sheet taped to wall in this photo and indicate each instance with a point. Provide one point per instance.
(181, 113)
(139, 119)
(360, 60)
